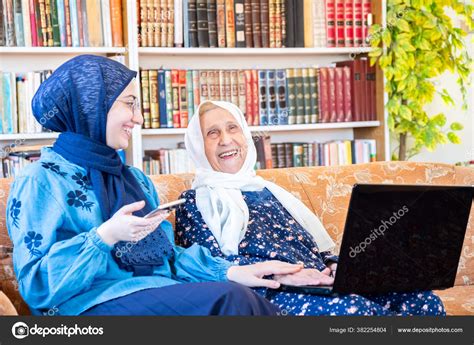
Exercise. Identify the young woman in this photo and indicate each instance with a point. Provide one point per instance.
(81, 244)
(246, 219)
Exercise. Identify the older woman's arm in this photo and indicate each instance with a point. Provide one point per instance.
(49, 270)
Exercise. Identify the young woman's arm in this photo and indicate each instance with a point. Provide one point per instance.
(49, 269)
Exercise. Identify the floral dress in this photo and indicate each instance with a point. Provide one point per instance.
(273, 234)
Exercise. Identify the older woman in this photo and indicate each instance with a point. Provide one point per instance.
(75, 217)
(245, 219)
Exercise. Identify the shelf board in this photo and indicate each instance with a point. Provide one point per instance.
(251, 51)
(283, 128)
(28, 136)
(62, 50)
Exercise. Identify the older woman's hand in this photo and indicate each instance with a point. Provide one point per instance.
(252, 275)
(307, 276)
(124, 226)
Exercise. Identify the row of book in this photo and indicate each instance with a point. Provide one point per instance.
(16, 92)
(253, 23)
(277, 155)
(286, 155)
(266, 97)
(61, 23)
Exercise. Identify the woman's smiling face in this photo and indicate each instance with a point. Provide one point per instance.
(124, 114)
(224, 141)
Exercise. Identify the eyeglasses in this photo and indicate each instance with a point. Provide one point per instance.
(133, 105)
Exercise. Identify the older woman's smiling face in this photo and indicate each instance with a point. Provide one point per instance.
(224, 141)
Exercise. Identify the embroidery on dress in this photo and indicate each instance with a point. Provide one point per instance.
(54, 168)
(33, 241)
(15, 211)
(79, 199)
(83, 181)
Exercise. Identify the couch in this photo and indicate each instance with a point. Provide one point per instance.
(326, 190)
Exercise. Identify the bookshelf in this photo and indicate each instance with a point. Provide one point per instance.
(22, 59)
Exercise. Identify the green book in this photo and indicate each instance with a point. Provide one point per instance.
(291, 95)
(55, 23)
(306, 95)
(300, 109)
(313, 90)
(169, 98)
(298, 152)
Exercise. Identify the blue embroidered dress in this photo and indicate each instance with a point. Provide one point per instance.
(61, 263)
(273, 234)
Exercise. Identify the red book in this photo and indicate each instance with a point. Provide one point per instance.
(256, 109)
(80, 22)
(366, 10)
(364, 97)
(34, 32)
(332, 95)
(338, 71)
(347, 85)
(349, 23)
(330, 23)
(175, 96)
(340, 38)
(249, 98)
(67, 14)
(183, 100)
(357, 89)
(372, 92)
(357, 23)
(324, 94)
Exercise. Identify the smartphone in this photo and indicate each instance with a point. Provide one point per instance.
(166, 207)
(308, 289)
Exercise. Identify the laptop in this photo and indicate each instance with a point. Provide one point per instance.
(400, 238)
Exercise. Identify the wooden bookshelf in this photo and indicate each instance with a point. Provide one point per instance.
(22, 59)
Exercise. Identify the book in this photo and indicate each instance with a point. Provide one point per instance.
(192, 24)
(308, 24)
(330, 23)
(340, 26)
(271, 98)
(230, 23)
(349, 23)
(239, 24)
(183, 100)
(291, 95)
(265, 23)
(212, 22)
(306, 95)
(153, 94)
(248, 23)
(281, 103)
(145, 97)
(202, 24)
(262, 96)
(299, 24)
(162, 99)
(271, 22)
(299, 90)
(358, 22)
(175, 87)
(221, 26)
(314, 98)
(256, 24)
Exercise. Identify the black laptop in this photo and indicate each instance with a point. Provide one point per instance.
(400, 238)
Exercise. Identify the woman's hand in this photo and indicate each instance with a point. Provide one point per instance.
(333, 268)
(124, 226)
(252, 275)
(307, 276)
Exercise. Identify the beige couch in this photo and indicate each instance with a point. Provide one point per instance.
(326, 190)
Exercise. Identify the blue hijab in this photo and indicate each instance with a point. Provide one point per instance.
(75, 101)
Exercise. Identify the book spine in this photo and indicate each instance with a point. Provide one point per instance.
(282, 107)
(157, 22)
(150, 23)
(117, 29)
(255, 98)
(80, 23)
(170, 24)
(349, 23)
(85, 32)
(299, 24)
(248, 23)
(203, 25)
(299, 89)
(230, 23)
(169, 98)
(44, 25)
(274, 155)
(239, 24)
(319, 23)
(265, 23)
(234, 82)
(74, 23)
(93, 22)
(196, 89)
(289, 155)
(280, 152)
(154, 110)
(324, 94)
(178, 23)
(290, 23)
(291, 95)
(145, 85)
(165, 13)
(143, 28)
(358, 23)
(278, 27)
(249, 97)
(204, 91)
(283, 10)
(372, 93)
(308, 24)
(186, 23)
(221, 34)
(183, 100)
(211, 81)
(271, 98)
(332, 95)
(262, 96)
(330, 23)
(366, 14)
(190, 89)
(340, 37)
(338, 73)
(306, 95)
(271, 21)
(346, 77)
(21, 23)
(256, 24)
(297, 155)
(212, 22)
(313, 90)
(192, 18)
(162, 99)
(176, 98)
(242, 92)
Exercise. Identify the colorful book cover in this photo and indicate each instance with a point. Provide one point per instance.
(262, 96)
(271, 98)
(281, 104)
(162, 99)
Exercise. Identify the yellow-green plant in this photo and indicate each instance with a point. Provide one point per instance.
(418, 44)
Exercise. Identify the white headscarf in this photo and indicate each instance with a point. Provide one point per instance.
(219, 195)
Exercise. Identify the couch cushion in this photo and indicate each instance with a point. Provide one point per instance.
(458, 300)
